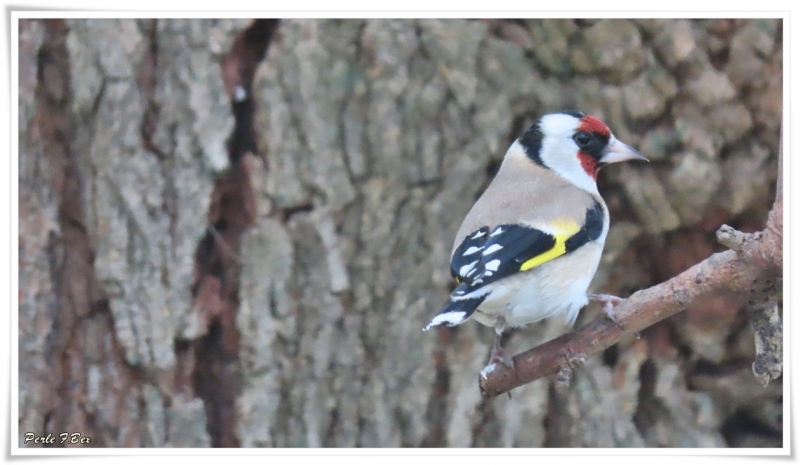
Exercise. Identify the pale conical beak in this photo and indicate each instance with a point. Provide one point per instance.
(618, 151)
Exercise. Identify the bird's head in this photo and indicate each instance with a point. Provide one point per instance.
(575, 146)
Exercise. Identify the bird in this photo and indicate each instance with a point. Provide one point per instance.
(531, 244)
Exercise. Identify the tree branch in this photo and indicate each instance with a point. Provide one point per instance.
(768, 331)
(752, 268)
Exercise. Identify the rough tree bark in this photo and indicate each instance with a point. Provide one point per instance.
(232, 234)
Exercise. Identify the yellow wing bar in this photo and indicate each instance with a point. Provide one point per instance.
(563, 229)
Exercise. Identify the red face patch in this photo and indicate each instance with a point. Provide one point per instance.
(593, 125)
(589, 164)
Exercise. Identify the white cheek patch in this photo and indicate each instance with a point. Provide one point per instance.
(558, 124)
(560, 152)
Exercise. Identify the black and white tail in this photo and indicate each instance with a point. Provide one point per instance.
(457, 310)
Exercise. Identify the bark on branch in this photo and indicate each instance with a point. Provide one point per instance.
(752, 267)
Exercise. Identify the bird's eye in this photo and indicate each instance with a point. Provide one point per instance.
(582, 138)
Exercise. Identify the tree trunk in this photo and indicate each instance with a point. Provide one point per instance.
(232, 232)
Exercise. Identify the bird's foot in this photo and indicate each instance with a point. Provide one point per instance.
(609, 302)
(499, 355)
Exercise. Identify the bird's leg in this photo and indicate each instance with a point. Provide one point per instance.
(609, 302)
(499, 355)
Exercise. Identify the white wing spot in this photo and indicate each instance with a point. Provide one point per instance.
(492, 265)
(492, 249)
(471, 251)
(465, 269)
(497, 231)
(478, 234)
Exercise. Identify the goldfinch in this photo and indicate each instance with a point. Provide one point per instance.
(530, 246)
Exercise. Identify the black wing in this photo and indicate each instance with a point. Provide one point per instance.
(487, 256)
(466, 261)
